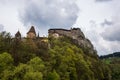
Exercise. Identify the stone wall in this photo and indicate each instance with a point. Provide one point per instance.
(72, 33)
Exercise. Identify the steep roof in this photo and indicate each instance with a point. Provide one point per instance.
(32, 29)
(18, 34)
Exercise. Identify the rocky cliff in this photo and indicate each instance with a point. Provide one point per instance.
(77, 36)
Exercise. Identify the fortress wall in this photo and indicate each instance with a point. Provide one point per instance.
(60, 32)
(73, 33)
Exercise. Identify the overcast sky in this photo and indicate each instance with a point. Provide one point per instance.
(98, 19)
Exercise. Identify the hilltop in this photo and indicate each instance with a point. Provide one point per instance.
(63, 55)
(75, 34)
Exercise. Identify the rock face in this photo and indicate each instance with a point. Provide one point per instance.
(77, 36)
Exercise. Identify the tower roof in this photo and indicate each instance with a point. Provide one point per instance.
(32, 29)
(18, 34)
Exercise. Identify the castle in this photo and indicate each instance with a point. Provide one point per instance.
(74, 33)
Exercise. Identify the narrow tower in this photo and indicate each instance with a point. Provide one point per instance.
(31, 33)
(18, 35)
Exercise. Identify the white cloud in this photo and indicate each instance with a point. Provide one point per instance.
(9, 16)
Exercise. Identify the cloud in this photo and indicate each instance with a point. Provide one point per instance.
(46, 14)
(112, 33)
(103, 0)
(105, 39)
(107, 22)
(1, 27)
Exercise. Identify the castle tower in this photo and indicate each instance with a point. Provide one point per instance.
(31, 33)
(18, 35)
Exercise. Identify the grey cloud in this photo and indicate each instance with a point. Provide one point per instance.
(49, 13)
(112, 34)
(103, 0)
(107, 22)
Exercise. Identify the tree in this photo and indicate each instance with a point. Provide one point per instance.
(37, 64)
(5, 42)
(33, 76)
(6, 61)
(53, 76)
(6, 65)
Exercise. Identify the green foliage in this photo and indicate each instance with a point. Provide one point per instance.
(71, 63)
(6, 64)
(6, 61)
(53, 76)
(115, 71)
(5, 42)
(58, 59)
(114, 64)
(33, 76)
(37, 64)
(20, 71)
(30, 71)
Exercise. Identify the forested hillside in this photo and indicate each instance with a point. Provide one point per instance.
(113, 61)
(55, 59)
(116, 54)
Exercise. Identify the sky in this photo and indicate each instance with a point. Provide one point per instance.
(98, 19)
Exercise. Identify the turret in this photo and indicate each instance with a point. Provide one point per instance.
(31, 33)
(18, 35)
